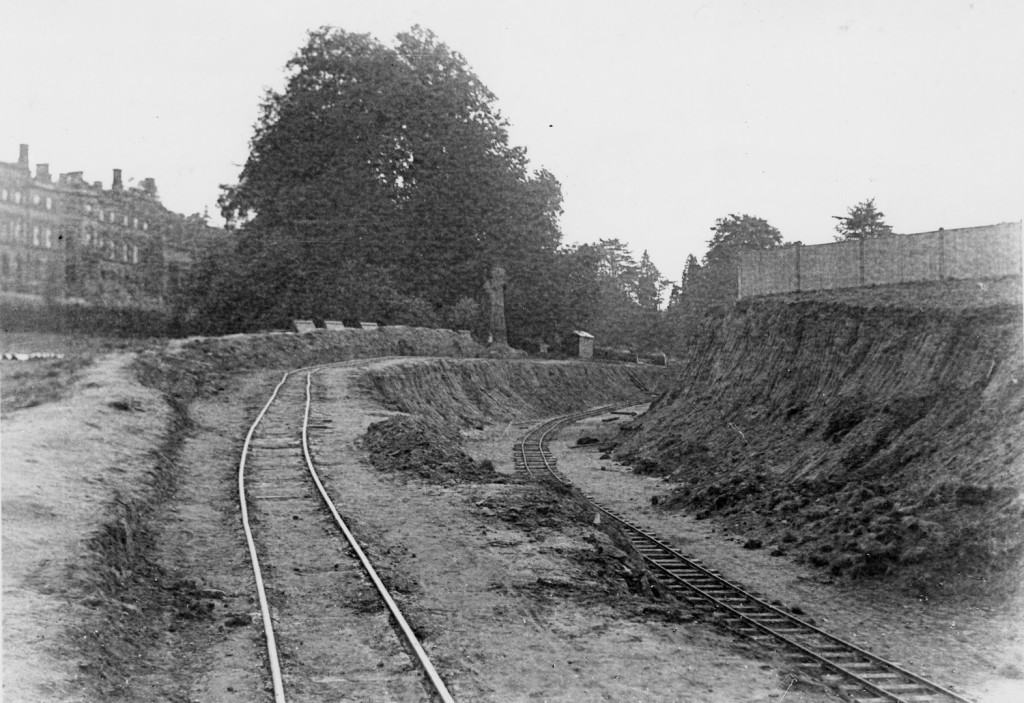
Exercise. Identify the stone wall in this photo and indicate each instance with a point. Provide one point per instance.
(973, 252)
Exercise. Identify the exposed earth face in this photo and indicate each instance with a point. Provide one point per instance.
(126, 576)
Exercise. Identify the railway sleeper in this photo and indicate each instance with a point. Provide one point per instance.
(871, 670)
(694, 577)
(862, 694)
(769, 617)
(705, 584)
(683, 570)
(713, 592)
(645, 547)
(901, 690)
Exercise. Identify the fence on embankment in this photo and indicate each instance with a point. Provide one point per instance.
(971, 252)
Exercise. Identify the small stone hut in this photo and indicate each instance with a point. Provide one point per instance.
(582, 344)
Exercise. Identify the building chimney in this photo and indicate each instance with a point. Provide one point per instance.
(117, 185)
(23, 155)
(43, 172)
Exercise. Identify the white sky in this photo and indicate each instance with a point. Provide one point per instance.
(657, 117)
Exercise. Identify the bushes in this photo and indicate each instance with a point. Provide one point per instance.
(64, 318)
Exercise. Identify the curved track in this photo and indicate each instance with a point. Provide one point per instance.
(855, 674)
(277, 478)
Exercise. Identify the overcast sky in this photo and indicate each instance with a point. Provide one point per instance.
(657, 117)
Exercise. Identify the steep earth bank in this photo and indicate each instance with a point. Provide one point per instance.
(472, 392)
(877, 442)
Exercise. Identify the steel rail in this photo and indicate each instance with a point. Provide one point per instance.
(268, 629)
(541, 432)
(439, 686)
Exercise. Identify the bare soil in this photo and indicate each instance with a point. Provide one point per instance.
(978, 648)
(67, 466)
(877, 442)
(125, 574)
(513, 599)
(514, 595)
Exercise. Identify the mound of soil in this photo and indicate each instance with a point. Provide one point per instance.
(880, 442)
(607, 572)
(424, 448)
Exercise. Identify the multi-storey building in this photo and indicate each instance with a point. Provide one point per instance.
(31, 252)
(77, 241)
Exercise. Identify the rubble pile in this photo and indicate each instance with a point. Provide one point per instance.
(424, 448)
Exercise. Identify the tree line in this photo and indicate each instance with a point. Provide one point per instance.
(381, 185)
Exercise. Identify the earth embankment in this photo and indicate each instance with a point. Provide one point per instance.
(874, 441)
(473, 392)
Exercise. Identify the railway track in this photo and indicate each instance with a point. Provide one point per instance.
(852, 672)
(318, 592)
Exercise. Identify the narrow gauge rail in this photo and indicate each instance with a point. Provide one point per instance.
(284, 483)
(855, 674)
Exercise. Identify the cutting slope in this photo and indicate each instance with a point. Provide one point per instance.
(879, 442)
(480, 391)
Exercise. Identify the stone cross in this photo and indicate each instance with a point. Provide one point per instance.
(495, 287)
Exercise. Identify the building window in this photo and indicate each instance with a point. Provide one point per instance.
(49, 203)
(36, 199)
(88, 207)
(145, 226)
(17, 197)
(135, 222)
(35, 235)
(48, 238)
(3, 194)
(126, 220)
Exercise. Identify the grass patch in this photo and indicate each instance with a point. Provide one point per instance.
(29, 383)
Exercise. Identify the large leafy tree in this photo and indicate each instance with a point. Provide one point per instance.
(732, 234)
(624, 296)
(713, 283)
(735, 232)
(388, 167)
(862, 221)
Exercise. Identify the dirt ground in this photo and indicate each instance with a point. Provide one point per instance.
(507, 609)
(507, 606)
(980, 649)
(512, 598)
(62, 462)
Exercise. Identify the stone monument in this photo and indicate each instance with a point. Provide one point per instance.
(495, 287)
